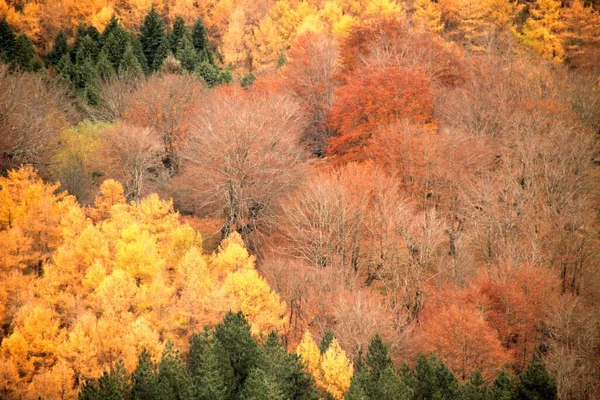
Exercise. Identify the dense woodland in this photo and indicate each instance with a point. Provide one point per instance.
(343, 199)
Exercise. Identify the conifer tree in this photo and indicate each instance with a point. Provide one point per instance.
(59, 48)
(432, 379)
(136, 45)
(475, 388)
(114, 46)
(261, 386)
(235, 343)
(145, 379)
(504, 387)
(536, 383)
(173, 379)
(177, 34)
(130, 66)
(24, 56)
(8, 41)
(104, 66)
(111, 385)
(207, 373)
(200, 42)
(154, 40)
(187, 55)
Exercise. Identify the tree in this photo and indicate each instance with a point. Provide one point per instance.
(201, 43)
(8, 41)
(205, 369)
(187, 54)
(177, 34)
(59, 49)
(431, 379)
(540, 31)
(135, 155)
(24, 56)
(336, 371)
(104, 66)
(427, 16)
(505, 387)
(145, 383)
(154, 40)
(241, 158)
(173, 380)
(129, 66)
(536, 383)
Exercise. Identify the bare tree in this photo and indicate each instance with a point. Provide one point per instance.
(134, 154)
(242, 159)
(31, 116)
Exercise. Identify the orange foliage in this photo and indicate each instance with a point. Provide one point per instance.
(376, 95)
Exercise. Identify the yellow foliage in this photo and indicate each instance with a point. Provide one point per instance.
(309, 351)
(231, 256)
(336, 371)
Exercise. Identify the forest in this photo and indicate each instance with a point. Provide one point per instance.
(300, 199)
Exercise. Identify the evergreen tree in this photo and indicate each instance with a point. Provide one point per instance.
(112, 26)
(59, 48)
(83, 73)
(200, 42)
(113, 385)
(173, 379)
(24, 56)
(235, 344)
(475, 388)
(114, 45)
(187, 55)
(433, 380)
(136, 45)
(104, 66)
(87, 38)
(205, 370)
(177, 34)
(209, 73)
(64, 68)
(86, 49)
(378, 358)
(326, 341)
(8, 41)
(145, 379)
(285, 369)
(247, 80)
(505, 387)
(130, 66)
(536, 383)
(154, 41)
(261, 386)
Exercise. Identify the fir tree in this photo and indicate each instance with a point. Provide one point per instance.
(209, 73)
(154, 41)
(114, 47)
(64, 68)
(187, 55)
(504, 387)
(173, 379)
(113, 385)
(205, 370)
(136, 45)
(112, 26)
(536, 383)
(24, 56)
(235, 344)
(177, 34)
(59, 48)
(261, 386)
(433, 380)
(130, 66)
(104, 66)
(326, 340)
(475, 388)
(145, 379)
(8, 41)
(200, 42)
(378, 358)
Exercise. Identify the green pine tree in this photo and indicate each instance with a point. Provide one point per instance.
(136, 45)
(209, 73)
(326, 340)
(130, 66)
(112, 26)
(261, 386)
(177, 34)
(89, 42)
(247, 80)
(187, 55)
(145, 379)
(475, 388)
(201, 43)
(113, 385)
(24, 56)
(433, 380)
(86, 49)
(234, 343)
(8, 41)
(378, 358)
(536, 383)
(83, 73)
(104, 66)
(64, 68)
(505, 387)
(59, 48)
(154, 40)
(203, 365)
(174, 381)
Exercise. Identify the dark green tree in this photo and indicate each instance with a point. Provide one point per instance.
(130, 66)
(235, 344)
(432, 380)
(247, 80)
(207, 373)
(285, 369)
(104, 66)
(145, 379)
(187, 55)
(475, 388)
(86, 49)
(24, 56)
(505, 387)
(174, 381)
(64, 68)
(154, 40)
(378, 358)
(326, 340)
(536, 383)
(112, 26)
(88, 38)
(83, 74)
(8, 41)
(261, 386)
(113, 385)
(201, 43)
(59, 48)
(136, 45)
(177, 34)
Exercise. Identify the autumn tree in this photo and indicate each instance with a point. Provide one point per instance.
(241, 159)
